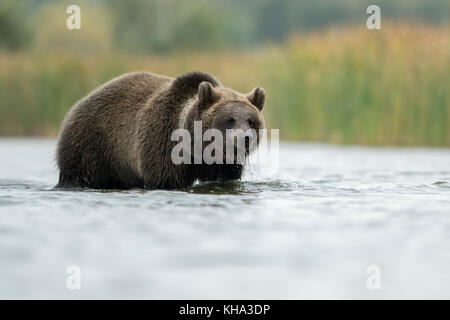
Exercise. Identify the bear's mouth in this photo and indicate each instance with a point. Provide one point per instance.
(239, 153)
(232, 151)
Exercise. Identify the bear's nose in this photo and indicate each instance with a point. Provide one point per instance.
(247, 143)
(245, 140)
(230, 123)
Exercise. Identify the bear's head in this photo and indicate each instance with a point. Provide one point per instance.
(237, 116)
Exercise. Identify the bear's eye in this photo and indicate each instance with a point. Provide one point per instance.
(230, 121)
(251, 123)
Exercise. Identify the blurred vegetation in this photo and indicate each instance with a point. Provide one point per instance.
(155, 26)
(15, 29)
(354, 86)
(327, 77)
(96, 37)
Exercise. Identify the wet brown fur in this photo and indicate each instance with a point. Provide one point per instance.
(118, 137)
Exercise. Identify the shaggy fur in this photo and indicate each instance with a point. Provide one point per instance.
(118, 137)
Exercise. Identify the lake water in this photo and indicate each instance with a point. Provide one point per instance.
(310, 230)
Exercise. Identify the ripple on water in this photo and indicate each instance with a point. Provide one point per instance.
(241, 187)
(327, 206)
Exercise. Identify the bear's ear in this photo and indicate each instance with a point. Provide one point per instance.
(257, 97)
(207, 95)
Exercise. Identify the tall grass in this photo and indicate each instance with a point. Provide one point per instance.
(359, 86)
(344, 86)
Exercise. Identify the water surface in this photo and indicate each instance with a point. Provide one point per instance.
(309, 230)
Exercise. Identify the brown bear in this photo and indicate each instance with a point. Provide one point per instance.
(119, 136)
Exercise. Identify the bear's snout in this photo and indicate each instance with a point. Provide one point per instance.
(243, 140)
